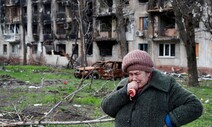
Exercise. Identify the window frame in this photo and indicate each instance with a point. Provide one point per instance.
(143, 46)
(143, 23)
(106, 25)
(4, 49)
(197, 49)
(167, 50)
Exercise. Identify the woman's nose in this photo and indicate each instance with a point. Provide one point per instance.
(134, 77)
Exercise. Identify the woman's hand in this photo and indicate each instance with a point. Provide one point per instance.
(132, 85)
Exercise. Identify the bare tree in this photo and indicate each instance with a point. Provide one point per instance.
(121, 25)
(188, 14)
(83, 17)
(207, 16)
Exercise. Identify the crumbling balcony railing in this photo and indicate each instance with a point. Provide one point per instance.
(24, 19)
(12, 2)
(159, 5)
(34, 1)
(167, 35)
(61, 17)
(35, 37)
(46, 1)
(12, 20)
(12, 37)
(47, 37)
(35, 18)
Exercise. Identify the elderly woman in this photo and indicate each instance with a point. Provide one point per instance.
(148, 98)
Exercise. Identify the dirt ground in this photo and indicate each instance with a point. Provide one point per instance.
(7, 88)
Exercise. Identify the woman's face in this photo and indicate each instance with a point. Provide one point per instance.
(141, 77)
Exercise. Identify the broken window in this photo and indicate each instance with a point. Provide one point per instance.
(105, 48)
(35, 32)
(47, 8)
(75, 49)
(143, 47)
(14, 12)
(143, 1)
(196, 25)
(47, 29)
(89, 49)
(5, 49)
(61, 8)
(106, 3)
(49, 49)
(72, 29)
(127, 2)
(14, 49)
(60, 29)
(73, 5)
(34, 28)
(106, 25)
(34, 49)
(166, 49)
(61, 49)
(167, 20)
(47, 33)
(167, 25)
(24, 11)
(35, 9)
(143, 23)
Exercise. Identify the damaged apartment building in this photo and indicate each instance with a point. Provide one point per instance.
(47, 28)
(156, 32)
(39, 30)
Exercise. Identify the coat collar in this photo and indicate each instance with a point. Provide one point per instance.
(159, 81)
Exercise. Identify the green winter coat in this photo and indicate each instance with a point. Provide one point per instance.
(161, 96)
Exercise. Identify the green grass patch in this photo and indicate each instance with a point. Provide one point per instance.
(90, 96)
(88, 100)
(35, 74)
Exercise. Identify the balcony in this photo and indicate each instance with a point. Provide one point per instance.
(35, 18)
(12, 20)
(12, 37)
(105, 12)
(47, 37)
(106, 36)
(161, 6)
(36, 37)
(46, 18)
(169, 34)
(24, 19)
(12, 3)
(23, 2)
(46, 1)
(34, 1)
(61, 17)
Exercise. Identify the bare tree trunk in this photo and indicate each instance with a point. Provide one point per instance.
(187, 34)
(191, 53)
(121, 33)
(23, 37)
(82, 39)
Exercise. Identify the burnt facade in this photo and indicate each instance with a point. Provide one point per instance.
(31, 28)
(105, 25)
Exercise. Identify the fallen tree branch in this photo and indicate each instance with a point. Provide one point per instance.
(52, 109)
(17, 113)
(3, 124)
